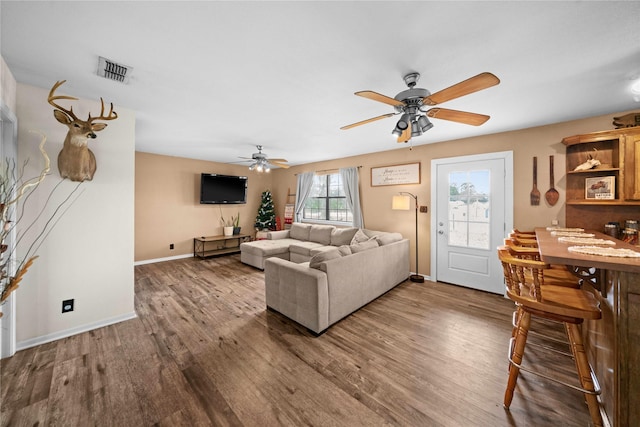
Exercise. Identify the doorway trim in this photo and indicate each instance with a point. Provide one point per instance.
(8, 149)
(507, 156)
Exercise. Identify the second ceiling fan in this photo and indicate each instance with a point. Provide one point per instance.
(262, 163)
(414, 105)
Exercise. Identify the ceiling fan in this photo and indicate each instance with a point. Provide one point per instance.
(262, 163)
(414, 105)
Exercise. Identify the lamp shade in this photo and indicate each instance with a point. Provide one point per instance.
(401, 203)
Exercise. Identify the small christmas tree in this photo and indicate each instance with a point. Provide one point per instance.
(266, 219)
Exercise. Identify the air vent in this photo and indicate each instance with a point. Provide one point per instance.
(113, 71)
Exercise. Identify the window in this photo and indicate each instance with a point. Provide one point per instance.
(327, 201)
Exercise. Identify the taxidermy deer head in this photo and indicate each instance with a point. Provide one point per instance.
(589, 164)
(75, 160)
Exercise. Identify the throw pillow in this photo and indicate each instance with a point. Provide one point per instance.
(360, 247)
(344, 250)
(342, 236)
(300, 231)
(323, 256)
(359, 237)
(386, 238)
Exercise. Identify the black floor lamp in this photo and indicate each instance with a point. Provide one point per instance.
(403, 203)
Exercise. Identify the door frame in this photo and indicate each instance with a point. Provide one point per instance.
(507, 156)
(8, 149)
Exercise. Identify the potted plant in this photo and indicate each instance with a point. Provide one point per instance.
(227, 225)
(236, 224)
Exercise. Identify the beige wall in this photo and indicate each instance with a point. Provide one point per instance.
(88, 256)
(168, 209)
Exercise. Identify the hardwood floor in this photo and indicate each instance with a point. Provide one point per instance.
(204, 351)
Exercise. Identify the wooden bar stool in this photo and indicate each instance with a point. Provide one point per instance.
(556, 275)
(569, 306)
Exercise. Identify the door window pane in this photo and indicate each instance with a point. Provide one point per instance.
(469, 209)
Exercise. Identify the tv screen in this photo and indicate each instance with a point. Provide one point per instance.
(222, 189)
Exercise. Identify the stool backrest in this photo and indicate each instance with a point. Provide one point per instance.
(523, 277)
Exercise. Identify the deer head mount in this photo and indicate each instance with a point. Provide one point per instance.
(75, 160)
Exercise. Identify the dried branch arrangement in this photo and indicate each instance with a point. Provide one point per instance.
(14, 195)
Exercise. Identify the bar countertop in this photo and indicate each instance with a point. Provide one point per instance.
(613, 341)
(554, 252)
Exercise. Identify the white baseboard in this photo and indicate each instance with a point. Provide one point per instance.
(171, 258)
(73, 331)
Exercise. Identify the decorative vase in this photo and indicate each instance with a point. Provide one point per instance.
(228, 231)
(236, 230)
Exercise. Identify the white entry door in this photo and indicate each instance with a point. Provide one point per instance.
(473, 211)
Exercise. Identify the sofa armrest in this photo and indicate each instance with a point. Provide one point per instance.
(280, 234)
(297, 291)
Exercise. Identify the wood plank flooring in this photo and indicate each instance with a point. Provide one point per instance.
(205, 351)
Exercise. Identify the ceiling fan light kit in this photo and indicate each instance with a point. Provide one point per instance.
(262, 163)
(413, 103)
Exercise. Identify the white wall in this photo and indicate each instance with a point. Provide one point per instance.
(89, 254)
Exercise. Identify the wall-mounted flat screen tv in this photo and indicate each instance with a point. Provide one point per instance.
(222, 189)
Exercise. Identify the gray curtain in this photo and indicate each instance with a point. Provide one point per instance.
(352, 193)
(303, 189)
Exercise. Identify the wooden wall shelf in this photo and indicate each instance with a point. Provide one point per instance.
(619, 152)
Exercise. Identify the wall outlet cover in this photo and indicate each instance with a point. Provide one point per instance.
(67, 305)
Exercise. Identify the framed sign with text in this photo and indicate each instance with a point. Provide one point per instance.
(396, 174)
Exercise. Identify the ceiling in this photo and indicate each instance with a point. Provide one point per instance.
(211, 80)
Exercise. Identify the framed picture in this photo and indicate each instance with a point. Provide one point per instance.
(600, 188)
(396, 174)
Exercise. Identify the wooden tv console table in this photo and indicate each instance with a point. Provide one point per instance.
(208, 246)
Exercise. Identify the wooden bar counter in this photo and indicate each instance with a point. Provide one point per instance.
(613, 342)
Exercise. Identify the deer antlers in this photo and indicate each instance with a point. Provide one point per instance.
(111, 116)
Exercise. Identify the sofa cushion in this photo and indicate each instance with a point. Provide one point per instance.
(321, 233)
(299, 231)
(359, 247)
(323, 256)
(303, 248)
(267, 248)
(315, 251)
(342, 236)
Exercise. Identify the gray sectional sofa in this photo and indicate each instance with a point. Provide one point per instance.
(316, 275)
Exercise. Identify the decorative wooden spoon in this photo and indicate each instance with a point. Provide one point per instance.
(535, 193)
(552, 194)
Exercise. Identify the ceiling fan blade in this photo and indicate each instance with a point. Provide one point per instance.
(279, 164)
(379, 97)
(384, 116)
(277, 160)
(406, 135)
(473, 119)
(473, 84)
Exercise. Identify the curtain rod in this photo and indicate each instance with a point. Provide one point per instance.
(329, 170)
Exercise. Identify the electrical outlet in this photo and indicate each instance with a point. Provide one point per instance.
(171, 246)
(67, 305)
(424, 209)
(554, 222)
